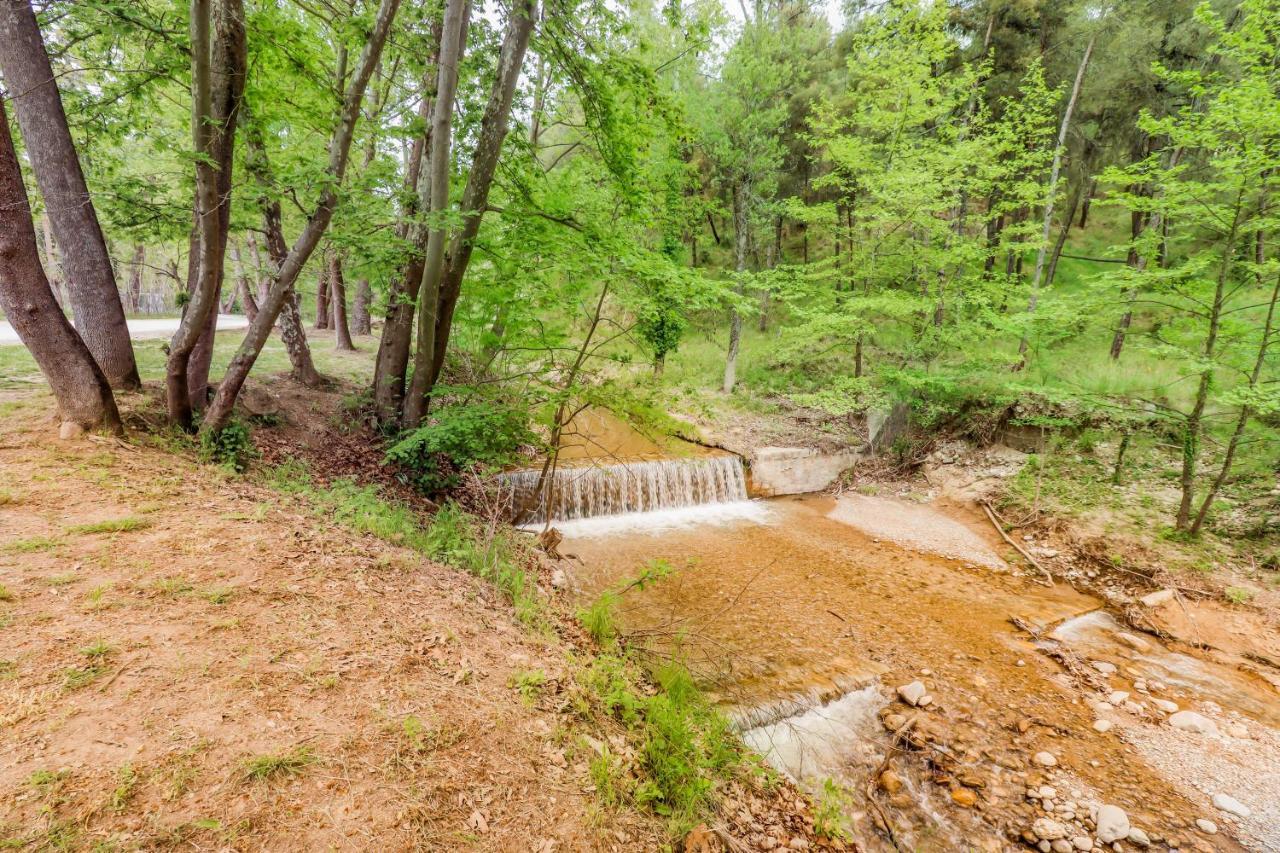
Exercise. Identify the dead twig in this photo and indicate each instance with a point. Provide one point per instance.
(991, 515)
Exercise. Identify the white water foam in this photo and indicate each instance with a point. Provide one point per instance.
(822, 742)
(663, 520)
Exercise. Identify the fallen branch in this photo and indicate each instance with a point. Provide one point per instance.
(991, 515)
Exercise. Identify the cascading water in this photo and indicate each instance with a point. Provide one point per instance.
(590, 491)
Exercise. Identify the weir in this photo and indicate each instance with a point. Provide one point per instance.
(581, 491)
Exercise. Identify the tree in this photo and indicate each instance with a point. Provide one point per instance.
(78, 383)
(95, 299)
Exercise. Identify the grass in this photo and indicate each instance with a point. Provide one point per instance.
(261, 768)
(6, 594)
(77, 677)
(115, 525)
(31, 545)
(98, 650)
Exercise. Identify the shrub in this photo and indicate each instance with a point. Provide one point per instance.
(232, 446)
(484, 433)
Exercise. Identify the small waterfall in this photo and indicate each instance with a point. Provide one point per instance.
(589, 491)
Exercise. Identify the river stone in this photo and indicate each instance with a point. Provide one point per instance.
(964, 797)
(893, 722)
(1048, 830)
(1102, 726)
(1165, 705)
(1104, 667)
(1113, 824)
(1190, 721)
(1155, 599)
(1082, 842)
(1138, 837)
(1048, 792)
(1062, 845)
(1231, 805)
(1045, 759)
(1118, 697)
(1208, 827)
(1134, 642)
(912, 693)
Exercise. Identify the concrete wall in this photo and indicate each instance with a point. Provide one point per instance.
(794, 470)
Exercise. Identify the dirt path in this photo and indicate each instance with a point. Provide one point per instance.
(188, 661)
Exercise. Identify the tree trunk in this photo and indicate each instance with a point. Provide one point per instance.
(338, 299)
(287, 272)
(135, 277)
(258, 268)
(242, 285)
(741, 241)
(230, 54)
(322, 294)
(1058, 245)
(1088, 200)
(1047, 226)
(51, 261)
(475, 198)
(392, 364)
(361, 322)
(95, 299)
(453, 43)
(78, 383)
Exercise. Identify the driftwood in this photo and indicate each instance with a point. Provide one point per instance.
(995, 522)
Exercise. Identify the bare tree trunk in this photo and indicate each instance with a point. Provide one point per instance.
(361, 322)
(1058, 245)
(392, 363)
(95, 299)
(1052, 192)
(287, 272)
(453, 43)
(322, 294)
(475, 197)
(1088, 200)
(338, 299)
(135, 277)
(78, 383)
(242, 285)
(258, 268)
(741, 241)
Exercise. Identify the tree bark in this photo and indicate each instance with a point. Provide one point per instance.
(322, 294)
(1088, 200)
(95, 299)
(361, 322)
(338, 299)
(741, 242)
(1058, 245)
(227, 78)
(453, 42)
(135, 277)
(78, 383)
(51, 260)
(475, 198)
(287, 272)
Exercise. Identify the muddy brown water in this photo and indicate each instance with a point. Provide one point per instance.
(801, 626)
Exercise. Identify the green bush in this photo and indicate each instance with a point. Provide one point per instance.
(232, 446)
(484, 433)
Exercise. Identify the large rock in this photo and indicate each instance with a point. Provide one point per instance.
(1190, 721)
(912, 693)
(1112, 823)
(795, 470)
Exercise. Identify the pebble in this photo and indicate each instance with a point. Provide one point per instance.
(1021, 662)
(1155, 599)
(1045, 759)
(1190, 721)
(1104, 667)
(1138, 837)
(893, 722)
(1134, 642)
(1113, 824)
(1082, 842)
(1048, 792)
(1045, 847)
(1231, 805)
(1165, 705)
(1208, 827)
(964, 797)
(1048, 830)
(912, 693)
(1062, 845)
(1102, 725)
(1118, 697)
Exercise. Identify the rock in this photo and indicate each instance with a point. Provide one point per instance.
(1045, 759)
(912, 693)
(70, 430)
(925, 701)
(1208, 827)
(964, 797)
(1048, 792)
(1238, 730)
(1138, 837)
(1133, 641)
(1231, 805)
(891, 782)
(1102, 726)
(559, 578)
(1155, 599)
(1045, 847)
(1140, 686)
(1134, 708)
(1048, 830)
(799, 844)
(1082, 842)
(1104, 667)
(893, 722)
(1062, 845)
(1020, 662)
(1113, 824)
(1165, 705)
(1190, 721)
(1118, 697)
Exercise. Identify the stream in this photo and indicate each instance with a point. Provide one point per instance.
(802, 616)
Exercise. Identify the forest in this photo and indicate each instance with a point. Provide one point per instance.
(443, 236)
